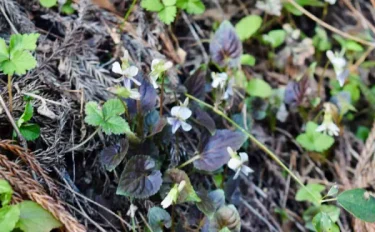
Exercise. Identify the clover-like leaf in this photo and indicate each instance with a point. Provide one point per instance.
(168, 14)
(6, 192)
(94, 115)
(175, 176)
(116, 125)
(159, 218)
(19, 42)
(9, 215)
(226, 46)
(33, 218)
(310, 193)
(359, 203)
(140, 179)
(113, 107)
(112, 156)
(214, 154)
(191, 6)
(19, 63)
(226, 216)
(247, 26)
(314, 141)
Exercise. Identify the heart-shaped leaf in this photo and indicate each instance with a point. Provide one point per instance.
(226, 216)
(158, 218)
(226, 46)
(140, 179)
(175, 176)
(215, 154)
(33, 218)
(359, 203)
(196, 83)
(211, 202)
(205, 120)
(247, 26)
(112, 156)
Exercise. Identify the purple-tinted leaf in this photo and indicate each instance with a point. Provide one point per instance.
(196, 83)
(258, 107)
(295, 92)
(211, 202)
(148, 96)
(225, 46)
(140, 179)
(214, 154)
(204, 119)
(159, 218)
(175, 176)
(112, 156)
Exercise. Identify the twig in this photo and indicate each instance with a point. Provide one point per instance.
(44, 99)
(8, 20)
(84, 142)
(329, 27)
(248, 206)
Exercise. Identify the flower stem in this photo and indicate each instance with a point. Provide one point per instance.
(130, 10)
(162, 94)
(191, 160)
(253, 139)
(10, 93)
(84, 142)
(328, 200)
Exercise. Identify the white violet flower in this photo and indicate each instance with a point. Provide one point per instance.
(328, 126)
(132, 210)
(229, 91)
(219, 80)
(126, 70)
(272, 7)
(332, 2)
(173, 194)
(158, 67)
(236, 163)
(339, 65)
(179, 116)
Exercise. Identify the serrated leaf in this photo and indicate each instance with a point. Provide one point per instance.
(259, 88)
(191, 6)
(33, 218)
(4, 53)
(226, 216)
(152, 5)
(6, 192)
(247, 26)
(112, 107)
(9, 216)
(48, 3)
(19, 63)
(214, 154)
(30, 131)
(140, 179)
(115, 125)
(112, 156)
(359, 203)
(94, 115)
(175, 176)
(226, 46)
(169, 2)
(168, 14)
(159, 218)
(311, 193)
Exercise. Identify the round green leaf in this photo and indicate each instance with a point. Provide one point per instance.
(248, 59)
(140, 179)
(9, 216)
(259, 88)
(359, 203)
(247, 26)
(158, 218)
(6, 192)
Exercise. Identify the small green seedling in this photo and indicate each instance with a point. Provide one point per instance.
(312, 140)
(17, 58)
(30, 131)
(167, 9)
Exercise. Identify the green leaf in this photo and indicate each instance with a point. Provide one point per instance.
(113, 107)
(24, 42)
(191, 6)
(311, 193)
(115, 125)
(275, 37)
(169, 2)
(152, 5)
(314, 141)
(359, 203)
(6, 192)
(247, 59)
(9, 216)
(168, 14)
(362, 133)
(94, 115)
(20, 62)
(247, 26)
(159, 218)
(26, 115)
(30, 131)
(351, 45)
(333, 191)
(258, 88)
(48, 3)
(4, 53)
(67, 8)
(332, 211)
(33, 218)
(323, 223)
